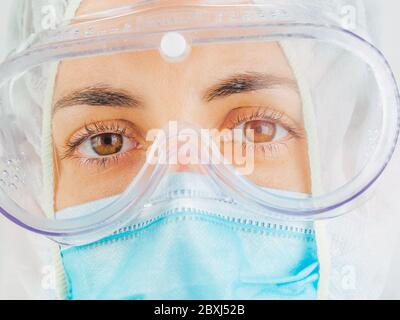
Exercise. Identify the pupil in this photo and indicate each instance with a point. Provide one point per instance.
(263, 131)
(107, 139)
(107, 144)
(259, 129)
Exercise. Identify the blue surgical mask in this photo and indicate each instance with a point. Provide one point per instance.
(188, 252)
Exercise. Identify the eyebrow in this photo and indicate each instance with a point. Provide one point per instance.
(105, 95)
(247, 82)
(98, 95)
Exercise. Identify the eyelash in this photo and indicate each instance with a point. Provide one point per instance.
(268, 114)
(275, 117)
(90, 131)
(101, 162)
(94, 129)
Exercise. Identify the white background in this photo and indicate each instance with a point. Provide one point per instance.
(384, 14)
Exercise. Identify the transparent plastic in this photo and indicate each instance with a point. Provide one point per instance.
(141, 28)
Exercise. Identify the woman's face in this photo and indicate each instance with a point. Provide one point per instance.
(104, 107)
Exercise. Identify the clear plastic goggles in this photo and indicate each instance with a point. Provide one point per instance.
(284, 115)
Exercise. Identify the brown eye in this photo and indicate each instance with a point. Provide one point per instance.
(260, 131)
(107, 144)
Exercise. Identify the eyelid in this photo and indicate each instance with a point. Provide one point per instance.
(269, 114)
(122, 127)
(101, 127)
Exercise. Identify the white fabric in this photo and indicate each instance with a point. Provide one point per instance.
(384, 27)
(296, 55)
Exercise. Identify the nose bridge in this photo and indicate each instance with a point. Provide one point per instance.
(184, 147)
(188, 147)
(184, 108)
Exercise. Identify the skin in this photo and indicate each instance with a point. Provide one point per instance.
(149, 91)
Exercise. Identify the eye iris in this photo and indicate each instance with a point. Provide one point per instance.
(107, 144)
(260, 131)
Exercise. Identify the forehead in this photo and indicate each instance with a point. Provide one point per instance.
(204, 65)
